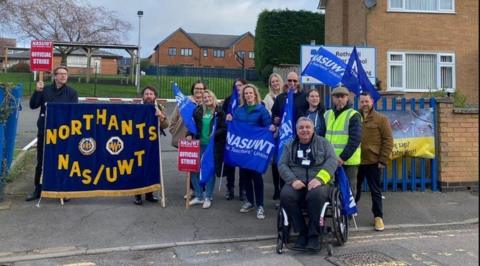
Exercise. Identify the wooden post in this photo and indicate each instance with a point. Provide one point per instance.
(40, 76)
(187, 195)
(162, 188)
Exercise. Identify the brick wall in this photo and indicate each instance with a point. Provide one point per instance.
(407, 31)
(458, 139)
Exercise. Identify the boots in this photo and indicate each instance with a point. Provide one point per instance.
(35, 194)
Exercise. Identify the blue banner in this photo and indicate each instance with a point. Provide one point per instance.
(186, 108)
(287, 128)
(349, 206)
(233, 100)
(326, 67)
(355, 78)
(207, 162)
(249, 146)
(100, 150)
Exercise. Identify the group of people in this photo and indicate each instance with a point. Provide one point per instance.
(360, 142)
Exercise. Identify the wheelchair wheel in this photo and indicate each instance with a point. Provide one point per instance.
(340, 221)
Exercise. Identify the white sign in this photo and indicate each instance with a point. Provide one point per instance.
(366, 55)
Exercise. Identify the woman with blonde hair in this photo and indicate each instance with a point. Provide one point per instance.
(204, 116)
(252, 111)
(275, 85)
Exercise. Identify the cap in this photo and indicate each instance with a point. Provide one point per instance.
(340, 91)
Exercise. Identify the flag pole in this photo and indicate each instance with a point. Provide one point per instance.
(221, 177)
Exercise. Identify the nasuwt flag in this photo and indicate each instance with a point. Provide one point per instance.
(349, 206)
(326, 67)
(355, 78)
(186, 108)
(233, 100)
(249, 146)
(100, 150)
(207, 162)
(287, 131)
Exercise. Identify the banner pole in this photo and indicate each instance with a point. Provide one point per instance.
(160, 160)
(187, 195)
(40, 76)
(221, 177)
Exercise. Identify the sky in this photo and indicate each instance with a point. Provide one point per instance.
(162, 17)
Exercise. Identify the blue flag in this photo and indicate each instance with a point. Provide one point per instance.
(207, 162)
(349, 206)
(249, 146)
(233, 100)
(355, 78)
(186, 108)
(326, 67)
(286, 131)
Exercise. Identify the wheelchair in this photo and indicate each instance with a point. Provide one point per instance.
(333, 224)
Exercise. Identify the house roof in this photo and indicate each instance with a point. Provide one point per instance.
(26, 54)
(208, 40)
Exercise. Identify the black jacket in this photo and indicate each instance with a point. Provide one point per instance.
(321, 119)
(300, 100)
(51, 94)
(220, 133)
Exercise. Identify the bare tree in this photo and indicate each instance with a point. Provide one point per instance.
(62, 21)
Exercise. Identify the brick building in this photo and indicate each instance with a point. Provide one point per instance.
(421, 46)
(204, 50)
(105, 62)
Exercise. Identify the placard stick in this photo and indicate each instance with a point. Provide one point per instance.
(187, 195)
(40, 76)
(160, 160)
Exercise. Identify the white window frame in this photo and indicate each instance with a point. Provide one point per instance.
(402, 63)
(76, 61)
(205, 52)
(251, 55)
(439, 10)
(172, 51)
(218, 53)
(186, 52)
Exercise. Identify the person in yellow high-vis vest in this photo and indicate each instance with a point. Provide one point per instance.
(344, 132)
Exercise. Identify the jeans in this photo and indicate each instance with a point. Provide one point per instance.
(373, 174)
(253, 183)
(209, 186)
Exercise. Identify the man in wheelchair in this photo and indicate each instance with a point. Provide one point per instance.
(307, 166)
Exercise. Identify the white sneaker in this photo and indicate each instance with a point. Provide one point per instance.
(207, 203)
(260, 213)
(246, 207)
(195, 201)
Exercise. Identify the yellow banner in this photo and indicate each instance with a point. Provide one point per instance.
(423, 147)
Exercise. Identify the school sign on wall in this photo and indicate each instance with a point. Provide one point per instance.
(366, 54)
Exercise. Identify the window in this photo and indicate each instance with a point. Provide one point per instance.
(426, 6)
(241, 54)
(218, 53)
(186, 51)
(421, 72)
(251, 55)
(77, 61)
(172, 51)
(205, 52)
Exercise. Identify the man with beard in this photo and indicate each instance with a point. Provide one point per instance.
(149, 96)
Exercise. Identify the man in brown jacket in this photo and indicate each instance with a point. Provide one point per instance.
(377, 144)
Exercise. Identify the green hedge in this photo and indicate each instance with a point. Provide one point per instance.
(279, 35)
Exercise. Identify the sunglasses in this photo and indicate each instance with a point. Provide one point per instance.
(292, 80)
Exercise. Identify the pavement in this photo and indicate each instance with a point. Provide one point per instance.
(101, 225)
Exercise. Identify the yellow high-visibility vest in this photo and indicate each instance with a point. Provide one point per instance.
(337, 133)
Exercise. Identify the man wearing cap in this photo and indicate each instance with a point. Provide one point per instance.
(344, 131)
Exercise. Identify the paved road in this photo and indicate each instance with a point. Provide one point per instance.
(454, 245)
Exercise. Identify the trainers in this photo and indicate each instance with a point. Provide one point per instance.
(246, 207)
(195, 201)
(260, 213)
(207, 203)
(379, 224)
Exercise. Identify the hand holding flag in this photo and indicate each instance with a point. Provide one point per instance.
(186, 108)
